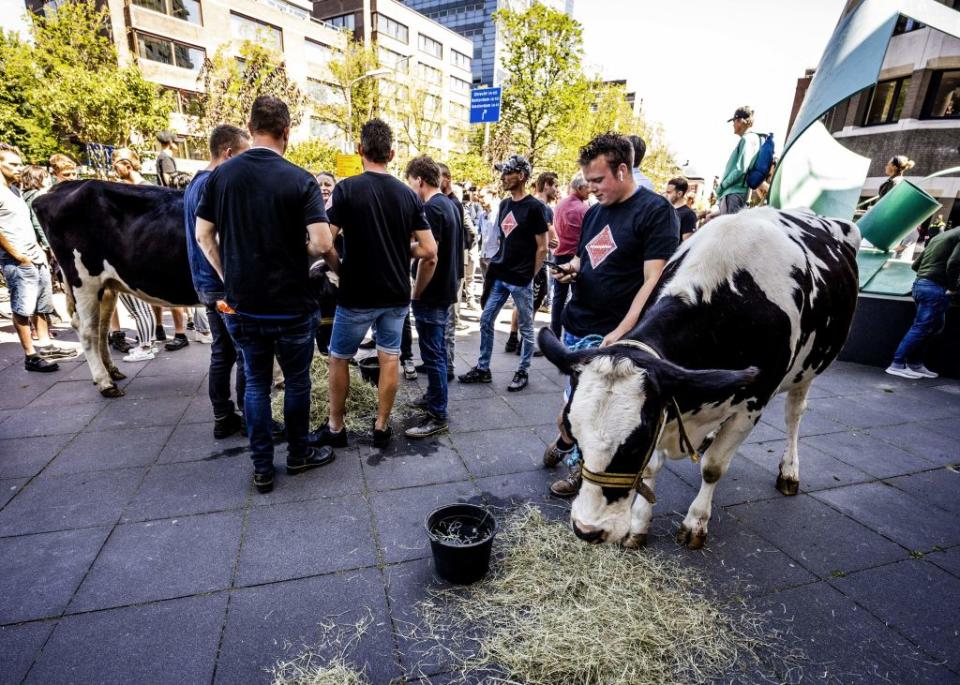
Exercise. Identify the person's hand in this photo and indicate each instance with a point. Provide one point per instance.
(951, 293)
(25, 261)
(566, 274)
(611, 337)
(553, 243)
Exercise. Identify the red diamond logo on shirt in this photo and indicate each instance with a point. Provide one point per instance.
(601, 247)
(508, 224)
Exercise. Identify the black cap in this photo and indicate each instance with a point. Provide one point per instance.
(514, 164)
(744, 112)
(166, 137)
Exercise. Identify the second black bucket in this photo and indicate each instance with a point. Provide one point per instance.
(461, 537)
(370, 369)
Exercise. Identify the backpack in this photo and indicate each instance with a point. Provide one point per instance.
(760, 167)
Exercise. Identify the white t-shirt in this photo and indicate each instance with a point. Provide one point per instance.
(641, 180)
(17, 228)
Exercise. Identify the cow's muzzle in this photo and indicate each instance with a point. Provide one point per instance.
(588, 535)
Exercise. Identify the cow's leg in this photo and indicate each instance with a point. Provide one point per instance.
(108, 305)
(716, 460)
(788, 480)
(642, 510)
(88, 312)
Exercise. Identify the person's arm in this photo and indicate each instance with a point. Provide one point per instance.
(568, 272)
(207, 239)
(541, 251)
(424, 245)
(320, 244)
(953, 271)
(12, 251)
(651, 273)
(425, 270)
(553, 240)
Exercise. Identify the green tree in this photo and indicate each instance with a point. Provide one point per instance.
(358, 99)
(230, 85)
(314, 155)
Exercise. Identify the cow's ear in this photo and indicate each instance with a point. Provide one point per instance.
(566, 361)
(698, 386)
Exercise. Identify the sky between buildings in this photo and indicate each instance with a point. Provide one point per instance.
(693, 62)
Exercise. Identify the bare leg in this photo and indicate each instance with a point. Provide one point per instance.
(386, 387)
(514, 322)
(22, 326)
(157, 315)
(788, 481)
(42, 327)
(339, 384)
(642, 510)
(179, 320)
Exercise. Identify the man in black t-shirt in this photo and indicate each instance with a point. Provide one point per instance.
(625, 242)
(262, 207)
(378, 217)
(522, 224)
(676, 195)
(436, 287)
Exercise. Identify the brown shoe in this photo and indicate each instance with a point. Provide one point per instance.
(553, 455)
(569, 486)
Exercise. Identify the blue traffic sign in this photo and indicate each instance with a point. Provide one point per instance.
(484, 105)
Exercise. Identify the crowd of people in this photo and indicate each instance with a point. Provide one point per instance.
(287, 261)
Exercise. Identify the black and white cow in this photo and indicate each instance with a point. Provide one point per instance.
(755, 304)
(111, 237)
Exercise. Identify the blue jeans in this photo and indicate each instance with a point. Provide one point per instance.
(31, 290)
(932, 303)
(351, 325)
(559, 301)
(291, 340)
(223, 356)
(523, 300)
(431, 324)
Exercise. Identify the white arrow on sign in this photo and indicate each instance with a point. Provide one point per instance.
(483, 115)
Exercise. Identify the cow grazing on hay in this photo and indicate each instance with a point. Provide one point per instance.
(755, 304)
(111, 237)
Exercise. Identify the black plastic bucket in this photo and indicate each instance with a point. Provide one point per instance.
(461, 536)
(370, 369)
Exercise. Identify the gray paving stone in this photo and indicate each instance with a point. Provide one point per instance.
(843, 642)
(173, 385)
(68, 392)
(744, 481)
(909, 407)
(473, 415)
(938, 488)
(400, 516)
(301, 539)
(536, 408)
(493, 452)
(194, 362)
(505, 491)
(55, 420)
(194, 487)
(18, 387)
(144, 562)
(135, 413)
(69, 501)
(9, 488)
(820, 538)
(39, 573)
(921, 441)
(927, 606)
(280, 621)
(410, 463)
(764, 432)
(25, 457)
(468, 391)
(171, 642)
(342, 477)
(947, 427)
(112, 449)
(19, 646)
(818, 470)
(813, 422)
(201, 411)
(948, 560)
(871, 455)
(896, 515)
(194, 442)
(849, 411)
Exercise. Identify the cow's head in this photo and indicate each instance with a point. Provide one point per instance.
(616, 398)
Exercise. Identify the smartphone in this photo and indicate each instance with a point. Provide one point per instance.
(553, 265)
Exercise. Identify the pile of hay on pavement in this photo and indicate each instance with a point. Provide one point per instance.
(557, 611)
(308, 669)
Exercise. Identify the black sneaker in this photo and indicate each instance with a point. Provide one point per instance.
(519, 382)
(324, 436)
(450, 377)
(178, 343)
(191, 326)
(476, 375)
(315, 457)
(381, 438)
(160, 333)
(429, 425)
(119, 342)
(263, 481)
(513, 344)
(420, 402)
(36, 363)
(227, 426)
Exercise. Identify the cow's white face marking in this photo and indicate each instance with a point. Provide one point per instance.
(605, 410)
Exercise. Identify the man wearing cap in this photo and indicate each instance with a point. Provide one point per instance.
(733, 190)
(522, 223)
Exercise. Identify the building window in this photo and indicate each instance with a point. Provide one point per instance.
(943, 98)
(431, 75)
(188, 10)
(906, 25)
(886, 101)
(185, 102)
(431, 103)
(460, 60)
(430, 46)
(171, 52)
(458, 112)
(255, 31)
(323, 93)
(458, 85)
(317, 53)
(344, 21)
(394, 29)
(394, 60)
(323, 129)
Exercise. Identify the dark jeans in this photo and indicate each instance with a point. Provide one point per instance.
(431, 324)
(560, 293)
(291, 340)
(406, 342)
(932, 303)
(223, 356)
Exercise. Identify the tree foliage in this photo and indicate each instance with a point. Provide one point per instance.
(362, 93)
(65, 88)
(314, 154)
(231, 83)
(414, 113)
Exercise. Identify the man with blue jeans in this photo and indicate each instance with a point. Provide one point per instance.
(383, 227)
(436, 287)
(522, 223)
(225, 142)
(269, 217)
(938, 279)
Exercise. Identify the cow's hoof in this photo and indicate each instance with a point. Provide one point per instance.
(687, 538)
(635, 541)
(117, 375)
(112, 391)
(788, 487)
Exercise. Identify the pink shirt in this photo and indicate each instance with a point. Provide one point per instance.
(567, 221)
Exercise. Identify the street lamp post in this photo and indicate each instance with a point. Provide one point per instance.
(373, 73)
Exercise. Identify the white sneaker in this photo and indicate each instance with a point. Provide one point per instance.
(923, 371)
(409, 370)
(903, 372)
(140, 354)
(203, 338)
